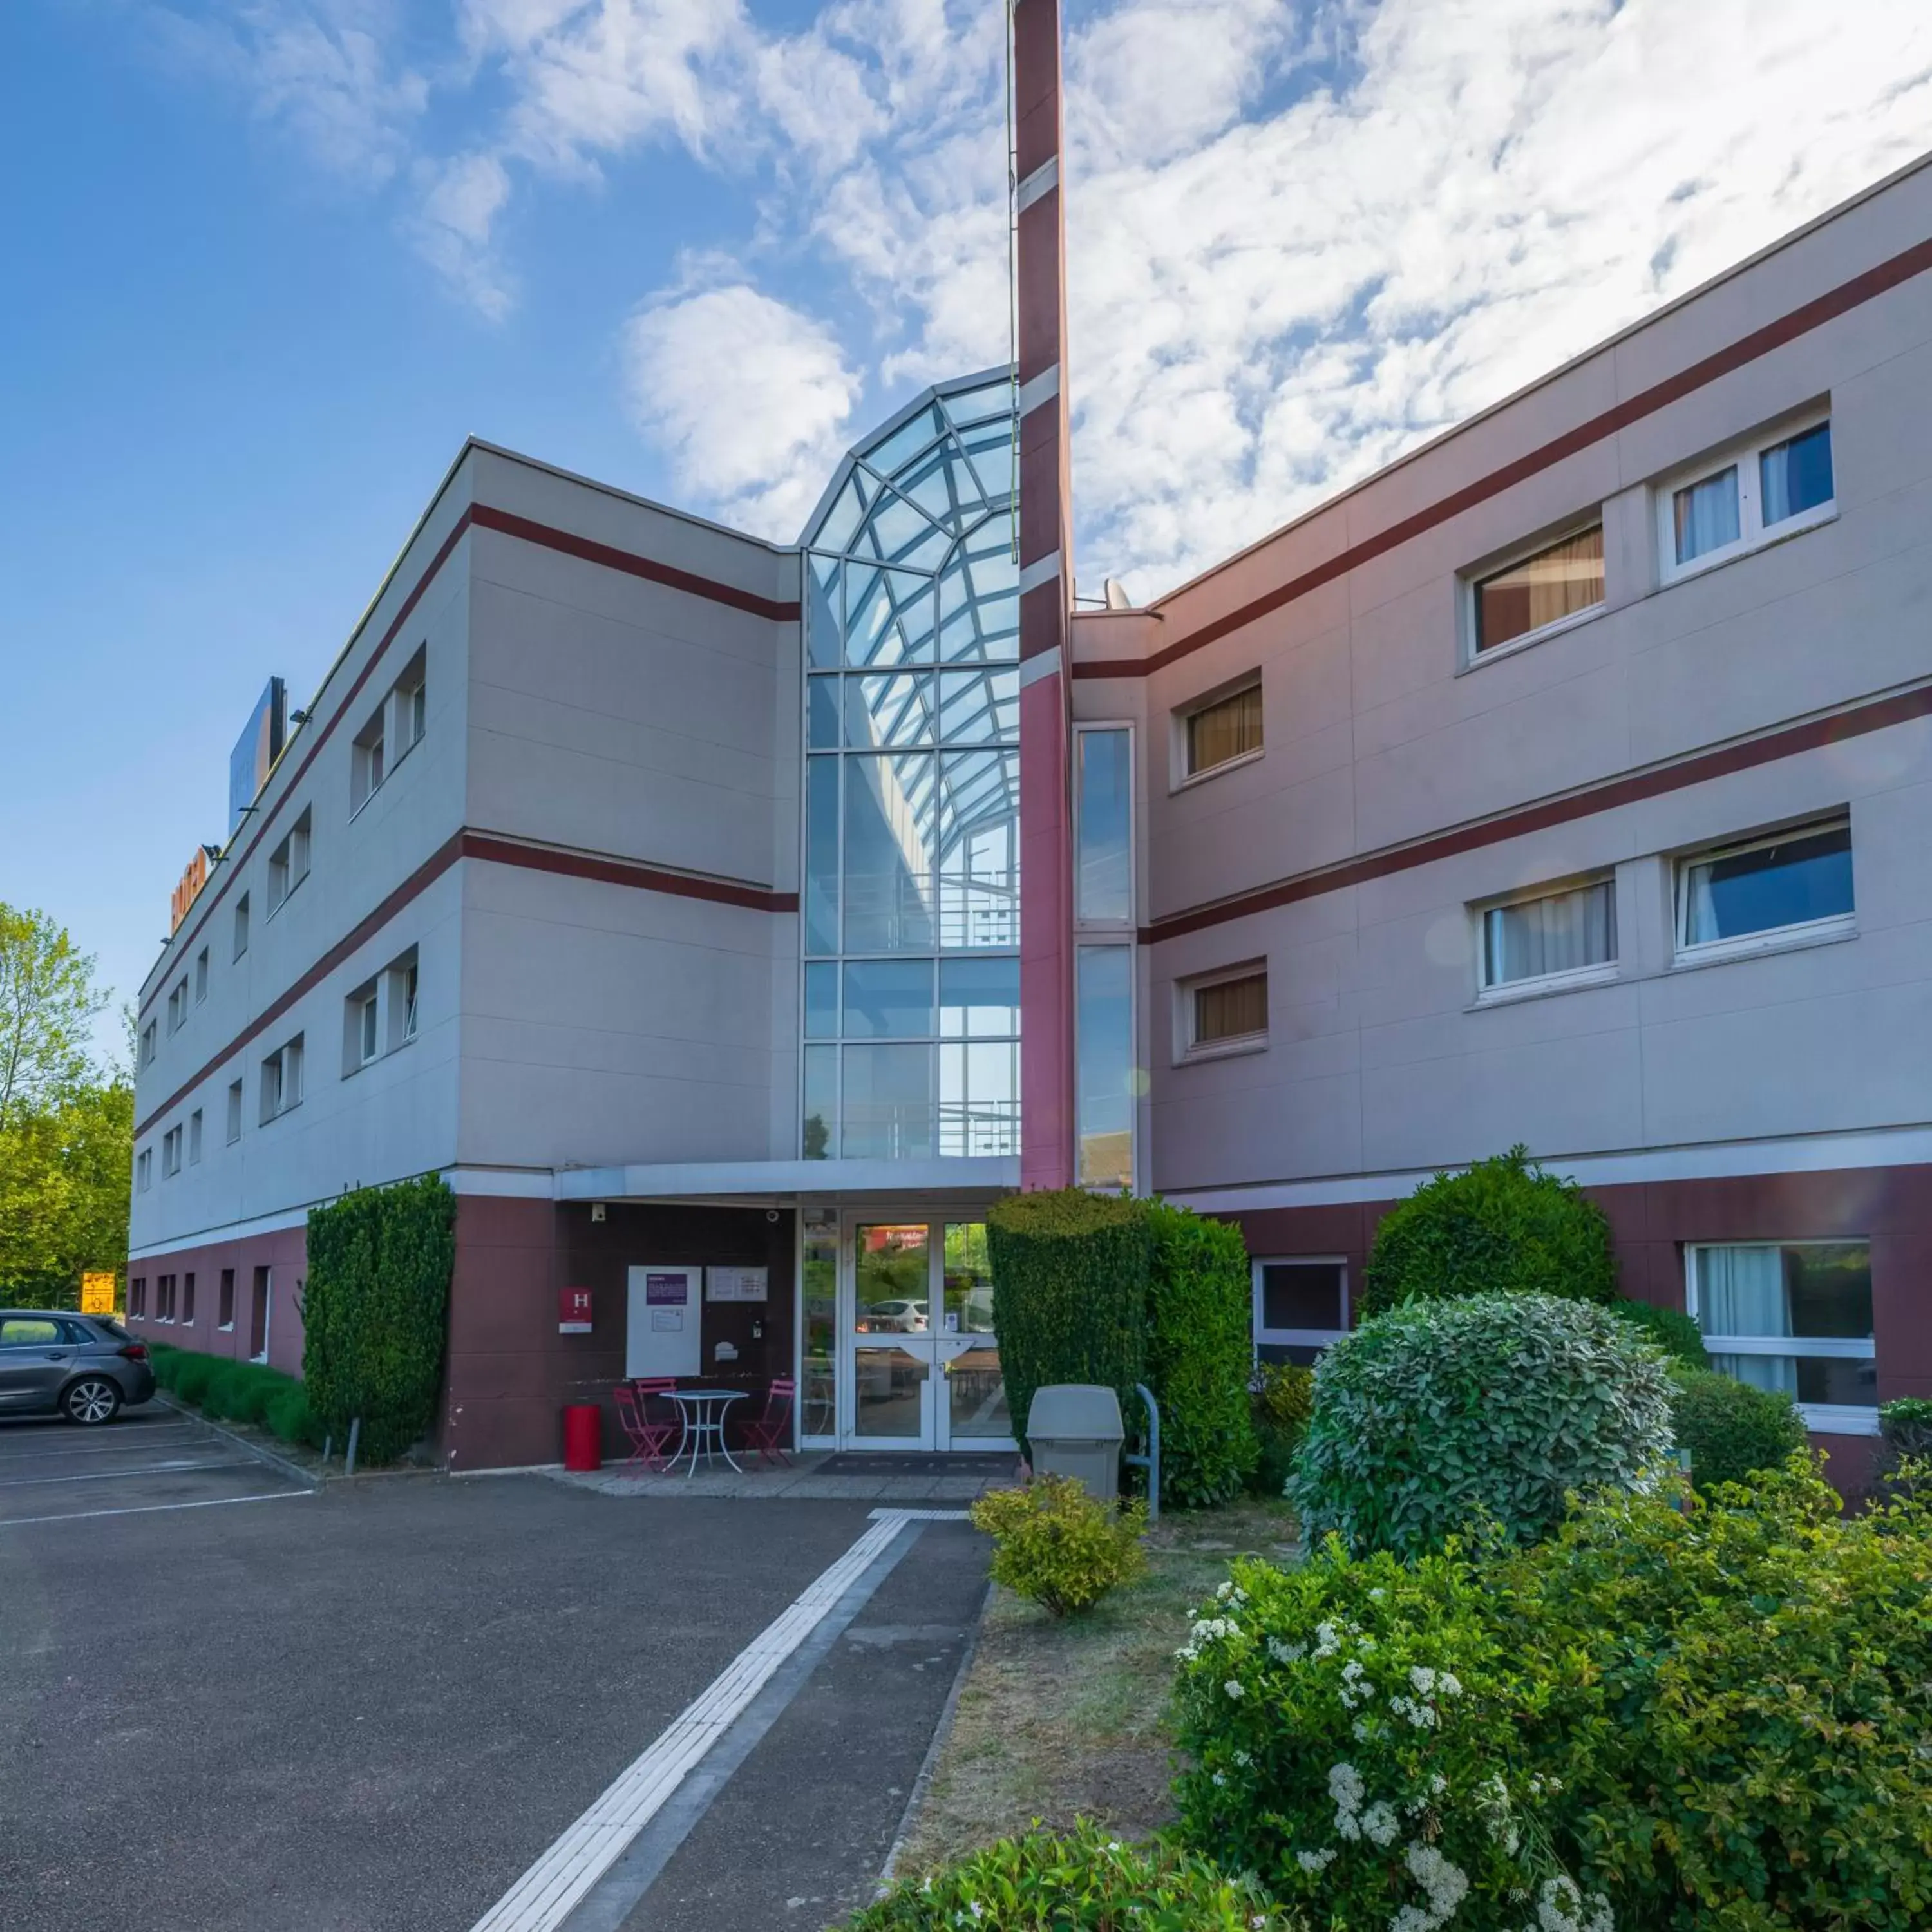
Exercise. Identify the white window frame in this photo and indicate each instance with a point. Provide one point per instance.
(282, 1074)
(146, 1056)
(201, 976)
(1477, 575)
(1822, 1418)
(1296, 1338)
(194, 1138)
(1753, 534)
(171, 1152)
(1498, 992)
(240, 926)
(369, 761)
(237, 1105)
(177, 1006)
(1187, 1051)
(289, 863)
(1181, 779)
(1771, 938)
(144, 1170)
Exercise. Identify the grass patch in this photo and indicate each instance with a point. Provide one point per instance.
(1058, 1720)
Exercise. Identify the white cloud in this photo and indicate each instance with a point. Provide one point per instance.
(750, 399)
(459, 202)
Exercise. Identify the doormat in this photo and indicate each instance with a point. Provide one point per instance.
(858, 1462)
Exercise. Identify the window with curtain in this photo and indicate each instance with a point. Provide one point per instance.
(1802, 877)
(1752, 494)
(1551, 936)
(1227, 729)
(1537, 591)
(1793, 1316)
(1223, 1011)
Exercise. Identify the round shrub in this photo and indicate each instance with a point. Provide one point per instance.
(1084, 1882)
(1444, 1415)
(1733, 1432)
(1057, 1547)
(1503, 1227)
(1069, 1294)
(1200, 1344)
(1673, 1331)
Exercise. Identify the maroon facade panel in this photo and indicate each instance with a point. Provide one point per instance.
(262, 1295)
(1652, 1222)
(510, 1372)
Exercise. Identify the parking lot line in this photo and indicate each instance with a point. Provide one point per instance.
(544, 1898)
(155, 1509)
(174, 1467)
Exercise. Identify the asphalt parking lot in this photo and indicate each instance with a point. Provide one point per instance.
(151, 1458)
(381, 1704)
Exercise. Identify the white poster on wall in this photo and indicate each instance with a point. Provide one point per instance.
(661, 1334)
(735, 1284)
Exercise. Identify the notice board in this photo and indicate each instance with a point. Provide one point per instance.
(661, 1330)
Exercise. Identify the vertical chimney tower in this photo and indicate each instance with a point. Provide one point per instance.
(1046, 598)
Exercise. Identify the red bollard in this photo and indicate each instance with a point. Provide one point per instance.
(583, 1435)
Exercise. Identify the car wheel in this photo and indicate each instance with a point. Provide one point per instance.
(91, 1401)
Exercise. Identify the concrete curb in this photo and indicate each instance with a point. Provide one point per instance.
(307, 1478)
(929, 1764)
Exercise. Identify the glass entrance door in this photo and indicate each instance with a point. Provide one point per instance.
(922, 1364)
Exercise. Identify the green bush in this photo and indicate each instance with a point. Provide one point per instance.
(1504, 1227)
(236, 1391)
(1713, 1719)
(1069, 1293)
(1673, 1331)
(1057, 1547)
(374, 1312)
(1281, 1399)
(1907, 1426)
(1350, 1729)
(1731, 1430)
(1084, 1882)
(1199, 1348)
(1442, 1415)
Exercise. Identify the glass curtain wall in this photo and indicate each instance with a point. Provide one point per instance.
(911, 911)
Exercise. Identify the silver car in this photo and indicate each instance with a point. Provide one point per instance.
(81, 1367)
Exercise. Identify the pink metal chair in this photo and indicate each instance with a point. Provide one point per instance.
(651, 1436)
(771, 1431)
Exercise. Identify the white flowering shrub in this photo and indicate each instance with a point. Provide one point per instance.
(1441, 1416)
(1350, 1725)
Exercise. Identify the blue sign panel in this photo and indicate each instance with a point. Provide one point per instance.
(257, 750)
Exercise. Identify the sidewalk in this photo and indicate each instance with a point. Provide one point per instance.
(807, 1479)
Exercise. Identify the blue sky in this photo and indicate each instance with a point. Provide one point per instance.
(273, 259)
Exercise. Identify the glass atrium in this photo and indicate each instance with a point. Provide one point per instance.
(911, 900)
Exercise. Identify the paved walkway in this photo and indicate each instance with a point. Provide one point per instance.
(804, 1480)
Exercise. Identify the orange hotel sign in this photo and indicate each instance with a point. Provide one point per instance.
(194, 877)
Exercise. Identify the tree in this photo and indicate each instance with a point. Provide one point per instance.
(48, 1004)
(67, 1125)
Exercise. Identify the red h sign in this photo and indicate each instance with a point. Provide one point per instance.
(573, 1311)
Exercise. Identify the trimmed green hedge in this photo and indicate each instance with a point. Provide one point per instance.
(236, 1391)
(1200, 1348)
(374, 1312)
(1734, 1432)
(1070, 1272)
(1673, 1331)
(1504, 1227)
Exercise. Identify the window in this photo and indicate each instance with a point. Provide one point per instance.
(1220, 732)
(241, 925)
(409, 1000)
(31, 1331)
(194, 1137)
(410, 700)
(282, 1080)
(147, 1053)
(366, 764)
(1103, 822)
(363, 1042)
(1223, 1011)
(1554, 939)
(1105, 1082)
(177, 1007)
(164, 1297)
(1750, 495)
(137, 1297)
(171, 1153)
(1795, 1315)
(288, 864)
(224, 1313)
(1736, 897)
(188, 1300)
(416, 711)
(1548, 587)
(144, 1173)
(234, 1110)
(201, 976)
(1301, 1307)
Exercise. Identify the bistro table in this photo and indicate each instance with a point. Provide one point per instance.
(702, 1411)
